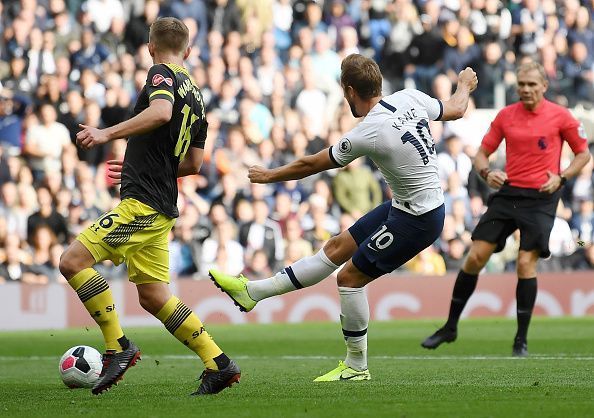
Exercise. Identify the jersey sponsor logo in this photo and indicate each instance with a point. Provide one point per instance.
(582, 132)
(159, 78)
(345, 145)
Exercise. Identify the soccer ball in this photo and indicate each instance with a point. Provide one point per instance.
(80, 367)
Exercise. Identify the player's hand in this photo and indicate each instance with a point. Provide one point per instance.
(258, 174)
(496, 178)
(468, 78)
(89, 137)
(552, 184)
(114, 170)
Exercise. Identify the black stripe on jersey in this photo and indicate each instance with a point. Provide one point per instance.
(334, 159)
(440, 109)
(354, 333)
(123, 233)
(387, 106)
(179, 315)
(94, 286)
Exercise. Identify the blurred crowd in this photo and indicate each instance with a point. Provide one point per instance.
(269, 73)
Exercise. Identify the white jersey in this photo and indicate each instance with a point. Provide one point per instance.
(395, 135)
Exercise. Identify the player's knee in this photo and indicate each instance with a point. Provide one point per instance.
(152, 302)
(475, 261)
(344, 279)
(340, 248)
(332, 247)
(68, 265)
(526, 267)
(149, 303)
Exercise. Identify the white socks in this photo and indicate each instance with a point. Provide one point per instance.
(354, 319)
(303, 273)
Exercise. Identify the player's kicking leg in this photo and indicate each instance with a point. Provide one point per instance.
(94, 292)
(303, 273)
(221, 372)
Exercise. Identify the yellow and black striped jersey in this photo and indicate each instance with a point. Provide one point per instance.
(149, 173)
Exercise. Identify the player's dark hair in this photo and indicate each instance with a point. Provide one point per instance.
(169, 34)
(362, 74)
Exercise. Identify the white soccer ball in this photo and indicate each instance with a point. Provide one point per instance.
(80, 367)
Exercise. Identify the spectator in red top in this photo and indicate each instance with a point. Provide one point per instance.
(529, 189)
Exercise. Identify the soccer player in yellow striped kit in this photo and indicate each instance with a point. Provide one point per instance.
(166, 141)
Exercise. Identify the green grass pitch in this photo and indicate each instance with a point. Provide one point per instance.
(474, 377)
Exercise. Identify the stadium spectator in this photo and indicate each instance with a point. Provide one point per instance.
(263, 233)
(428, 263)
(45, 142)
(530, 186)
(13, 267)
(222, 250)
(356, 189)
(453, 159)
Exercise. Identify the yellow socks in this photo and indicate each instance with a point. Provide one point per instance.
(187, 328)
(95, 294)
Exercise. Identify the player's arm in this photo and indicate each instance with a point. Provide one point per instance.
(455, 107)
(158, 113)
(192, 163)
(572, 132)
(298, 169)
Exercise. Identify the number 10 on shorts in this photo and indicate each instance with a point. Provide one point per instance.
(382, 239)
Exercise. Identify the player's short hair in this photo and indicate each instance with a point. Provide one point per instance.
(169, 34)
(531, 66)
(362, 74)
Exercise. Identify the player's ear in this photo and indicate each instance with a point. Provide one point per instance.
(187, 52)
(151, 48)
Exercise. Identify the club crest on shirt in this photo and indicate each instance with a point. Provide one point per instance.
(159, 78)
(345, 145)
(542, 143)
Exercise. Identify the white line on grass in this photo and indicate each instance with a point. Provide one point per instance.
(397, 358)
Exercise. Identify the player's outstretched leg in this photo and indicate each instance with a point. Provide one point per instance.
(463, 289)
(354, 319)
(235, 287)
(303, 273)
(221, 372)
(95, 294)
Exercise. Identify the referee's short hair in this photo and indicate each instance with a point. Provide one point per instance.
(531, 66)
(362, 74)
(169, 34)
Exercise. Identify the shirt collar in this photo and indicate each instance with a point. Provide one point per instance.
(539, 109)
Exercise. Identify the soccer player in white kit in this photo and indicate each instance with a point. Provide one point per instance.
(395, 135)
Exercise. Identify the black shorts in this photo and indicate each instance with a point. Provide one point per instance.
(528, 210)
(388, 237)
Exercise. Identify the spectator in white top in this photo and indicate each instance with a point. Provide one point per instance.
(311, 103)
(102, 12)
(45, 142)
(454, 159)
